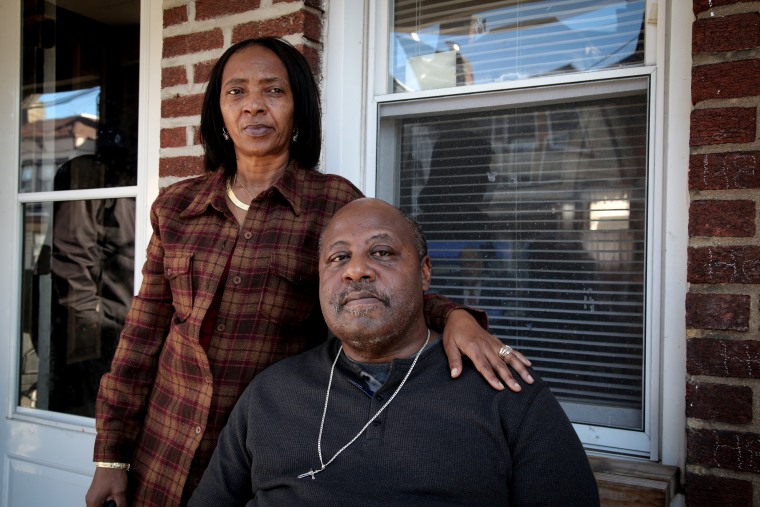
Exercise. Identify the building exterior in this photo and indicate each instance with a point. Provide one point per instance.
(605, 154)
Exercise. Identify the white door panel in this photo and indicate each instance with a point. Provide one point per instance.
(43, 477)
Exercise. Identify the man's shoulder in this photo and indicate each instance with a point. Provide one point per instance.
(476, 386)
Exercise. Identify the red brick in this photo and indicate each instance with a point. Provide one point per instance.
(728, 80)
(722, 125)
(307, 23)
(182, 105)
(723, 449)
(722, 218)
(729, 33)
(175, 16)
(723, 358)
(717, 311)
(201, 71)
(314, 57)
(255, 29)
(706, 5)
(180, 166)
(731, 264)
(709, 491)
(209, 9)
(724, 171)
(173, 76)
(312, 24)
(719, 403)
(173, 138)
(193, 43)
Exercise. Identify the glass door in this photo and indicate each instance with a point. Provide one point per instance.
(73, 235)
(78, 124)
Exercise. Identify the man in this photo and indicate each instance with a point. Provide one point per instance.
(373, 418)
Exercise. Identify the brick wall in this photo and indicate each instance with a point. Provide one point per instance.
(195, 35)
(722, 306)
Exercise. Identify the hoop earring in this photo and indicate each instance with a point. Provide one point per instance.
(295, 135)
(225, 134)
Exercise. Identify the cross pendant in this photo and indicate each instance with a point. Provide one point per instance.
(311, 473)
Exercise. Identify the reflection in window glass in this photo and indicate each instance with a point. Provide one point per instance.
(80, 68)
(537, 215)
(78, 133)
(79, 261)
(446, 44)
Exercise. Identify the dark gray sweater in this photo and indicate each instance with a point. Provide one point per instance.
(440, 442)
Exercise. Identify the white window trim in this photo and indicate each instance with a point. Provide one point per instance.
(351, 36)
(673, 92)
(10, 40)
(343, 92)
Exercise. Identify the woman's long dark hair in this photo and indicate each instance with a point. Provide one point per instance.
(306, 114)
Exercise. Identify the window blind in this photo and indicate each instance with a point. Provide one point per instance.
(537, 215)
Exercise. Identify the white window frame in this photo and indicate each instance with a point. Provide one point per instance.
(144, 192)
(356, 32)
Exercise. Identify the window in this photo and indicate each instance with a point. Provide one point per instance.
(77, 188)
(518, 134)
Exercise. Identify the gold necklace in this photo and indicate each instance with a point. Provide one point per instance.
(231, 194)
(311, 473)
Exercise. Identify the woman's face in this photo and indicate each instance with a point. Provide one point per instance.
(257, 104)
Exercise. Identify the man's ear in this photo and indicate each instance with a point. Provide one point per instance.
(426, 268)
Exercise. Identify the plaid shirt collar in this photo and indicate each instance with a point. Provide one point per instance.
(213, 193)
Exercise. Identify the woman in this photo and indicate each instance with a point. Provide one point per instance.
(230, 281)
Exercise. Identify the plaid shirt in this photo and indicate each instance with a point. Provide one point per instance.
(165, 401)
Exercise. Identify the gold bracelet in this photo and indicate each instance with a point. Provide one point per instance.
(107, 464)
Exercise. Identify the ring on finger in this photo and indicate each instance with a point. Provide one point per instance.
(504, 352)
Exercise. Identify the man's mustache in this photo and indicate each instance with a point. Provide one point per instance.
(359, 290)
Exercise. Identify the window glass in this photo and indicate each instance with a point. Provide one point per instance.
(536, 214)
(80, 258)
(80, 69)
(78, 134)
(438, 44)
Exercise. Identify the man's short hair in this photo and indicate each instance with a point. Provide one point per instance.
(420, 243)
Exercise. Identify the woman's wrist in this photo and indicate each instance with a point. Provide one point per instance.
(113, 464)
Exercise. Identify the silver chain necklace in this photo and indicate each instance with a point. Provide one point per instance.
(312, 473)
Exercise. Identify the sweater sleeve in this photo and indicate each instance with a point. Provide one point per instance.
(549, 465)
(125, 390)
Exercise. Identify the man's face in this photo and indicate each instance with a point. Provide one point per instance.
(371, 280)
